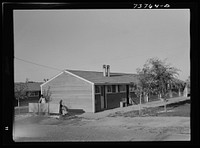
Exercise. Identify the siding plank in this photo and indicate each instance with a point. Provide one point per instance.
(75, 93)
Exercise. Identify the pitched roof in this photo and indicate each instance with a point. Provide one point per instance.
(31, 86)
(98, 78)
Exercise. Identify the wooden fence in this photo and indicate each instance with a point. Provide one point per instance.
(44, 108)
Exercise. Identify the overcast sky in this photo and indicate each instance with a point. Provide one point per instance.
(87, 39)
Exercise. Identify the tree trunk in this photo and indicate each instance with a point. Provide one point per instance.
(165, 106)
(179, 92)
(170, 93)
(159, 95)
(18, 107)
(140, 104)
(146, 98)
(48, 108)
(38, 108)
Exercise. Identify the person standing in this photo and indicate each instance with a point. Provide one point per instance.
(60, 107)
(42, 99)
(63, 110)
(41, 104)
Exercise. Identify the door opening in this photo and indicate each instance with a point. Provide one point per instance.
(127, 94)
(103, 97)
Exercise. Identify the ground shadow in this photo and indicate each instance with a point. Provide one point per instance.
(75, 111)
(176, 104)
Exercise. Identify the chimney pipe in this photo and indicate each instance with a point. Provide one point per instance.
(108, 70)
(104, 70)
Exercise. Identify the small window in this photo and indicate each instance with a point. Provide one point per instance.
(114, 88)
(33, 94)
(97, 89)
(121, 88)
(109, 89)
(118, 88)
(132, 87)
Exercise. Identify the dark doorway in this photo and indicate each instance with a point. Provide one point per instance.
(127, 94)
(103, 102)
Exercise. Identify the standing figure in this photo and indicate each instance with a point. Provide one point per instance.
(41, 104)
(63, 110)
(42, 99)
(60, 107)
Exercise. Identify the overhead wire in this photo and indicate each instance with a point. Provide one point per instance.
(37, 64)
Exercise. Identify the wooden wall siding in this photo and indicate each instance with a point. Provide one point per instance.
(113, 100)
(75, 93)
(97, 102)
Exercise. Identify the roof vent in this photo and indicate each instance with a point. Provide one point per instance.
(106, 70)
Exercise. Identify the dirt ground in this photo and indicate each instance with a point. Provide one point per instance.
(105, 129)
(171, 126)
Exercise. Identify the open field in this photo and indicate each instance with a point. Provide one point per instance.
(153, 125)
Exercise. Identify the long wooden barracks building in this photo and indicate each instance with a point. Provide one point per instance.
(92, 91)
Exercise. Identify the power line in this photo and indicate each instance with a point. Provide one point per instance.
(112, 59)
(38, 64)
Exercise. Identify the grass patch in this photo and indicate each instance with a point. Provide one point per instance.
(176, 109)
(21, 110)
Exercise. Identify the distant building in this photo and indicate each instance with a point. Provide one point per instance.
(31, 89)
(187, 90)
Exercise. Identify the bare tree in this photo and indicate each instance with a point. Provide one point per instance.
(20, 91)
(47, 95)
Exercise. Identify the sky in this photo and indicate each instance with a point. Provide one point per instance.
(88, 38)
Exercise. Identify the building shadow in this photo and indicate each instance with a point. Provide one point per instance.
(76, 111)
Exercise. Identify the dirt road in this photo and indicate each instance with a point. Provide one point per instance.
(37, 128)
